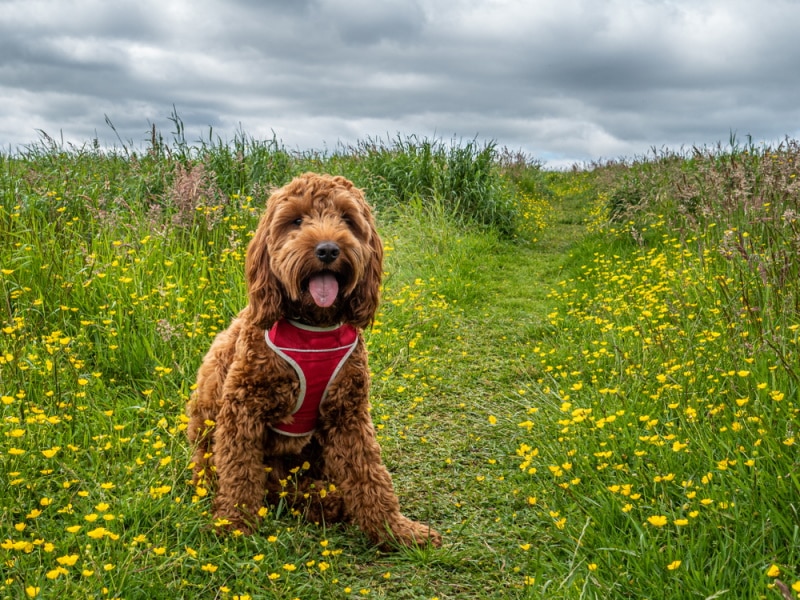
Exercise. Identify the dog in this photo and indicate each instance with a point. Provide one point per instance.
(281, 411)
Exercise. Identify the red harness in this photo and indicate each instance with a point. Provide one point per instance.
(317, 355)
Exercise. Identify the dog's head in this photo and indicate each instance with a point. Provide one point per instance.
(315, 256)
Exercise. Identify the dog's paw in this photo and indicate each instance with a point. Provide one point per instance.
(412, 533)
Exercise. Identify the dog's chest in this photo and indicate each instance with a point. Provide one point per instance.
(316, 355)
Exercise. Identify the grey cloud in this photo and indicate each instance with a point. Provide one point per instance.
(366, 22)
(569, 79)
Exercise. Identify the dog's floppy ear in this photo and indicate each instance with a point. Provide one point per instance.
(262, 285)
(364, 299)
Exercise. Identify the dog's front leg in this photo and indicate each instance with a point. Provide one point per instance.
(238, 456)
(353, 462)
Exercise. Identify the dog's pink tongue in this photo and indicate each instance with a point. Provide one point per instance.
(324, 289)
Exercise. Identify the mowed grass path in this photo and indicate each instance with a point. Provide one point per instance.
(455, 459)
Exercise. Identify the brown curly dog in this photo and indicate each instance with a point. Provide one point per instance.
(281, 409)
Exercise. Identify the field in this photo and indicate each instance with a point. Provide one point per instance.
(586, 380)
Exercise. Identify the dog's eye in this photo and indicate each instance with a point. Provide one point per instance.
(297, 222)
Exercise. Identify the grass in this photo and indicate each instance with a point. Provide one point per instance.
(584, 407)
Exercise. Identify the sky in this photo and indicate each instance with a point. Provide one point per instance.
(563, 81)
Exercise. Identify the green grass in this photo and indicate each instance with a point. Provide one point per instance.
(584, 408)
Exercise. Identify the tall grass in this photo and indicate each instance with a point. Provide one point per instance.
(465, 178)
(469, 180)
(741, 208)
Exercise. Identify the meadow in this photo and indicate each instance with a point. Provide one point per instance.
(586, 380)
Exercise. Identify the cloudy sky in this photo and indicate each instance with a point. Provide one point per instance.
(562, 80)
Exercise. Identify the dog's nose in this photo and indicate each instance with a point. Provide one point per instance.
(327, 252)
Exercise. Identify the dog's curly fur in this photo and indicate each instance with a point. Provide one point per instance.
(244, 387)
